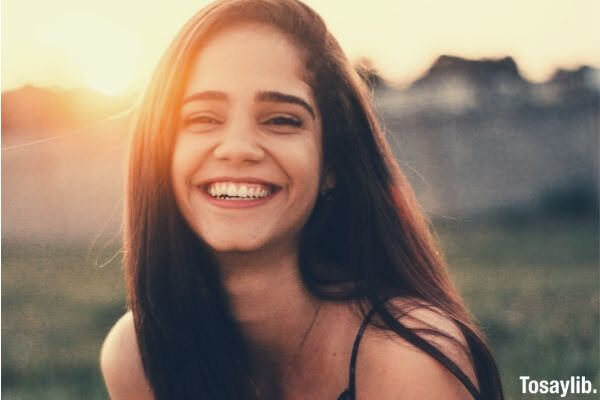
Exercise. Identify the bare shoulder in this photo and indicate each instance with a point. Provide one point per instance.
(389, 367)
(121, 364)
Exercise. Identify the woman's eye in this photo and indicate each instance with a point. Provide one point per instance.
(282, 120)
(201, 122)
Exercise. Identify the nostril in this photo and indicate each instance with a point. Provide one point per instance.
(243, 150)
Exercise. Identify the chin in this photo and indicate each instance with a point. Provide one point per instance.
(229, 244)
(234, 248)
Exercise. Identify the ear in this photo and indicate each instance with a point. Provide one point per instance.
(328, 181)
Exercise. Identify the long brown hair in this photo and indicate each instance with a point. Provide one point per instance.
(370, 242)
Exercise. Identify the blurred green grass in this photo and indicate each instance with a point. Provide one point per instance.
(57, 305)
(534, 288)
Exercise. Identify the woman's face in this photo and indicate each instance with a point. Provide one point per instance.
(247, 160)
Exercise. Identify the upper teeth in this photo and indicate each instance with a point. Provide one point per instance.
(245, 190)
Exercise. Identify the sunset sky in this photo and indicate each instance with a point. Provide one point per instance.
(113, 45)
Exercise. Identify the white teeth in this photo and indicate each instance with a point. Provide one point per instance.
(231, 190)
(237, 191)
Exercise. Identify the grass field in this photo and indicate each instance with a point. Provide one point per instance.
(533, 287)
(535, 291)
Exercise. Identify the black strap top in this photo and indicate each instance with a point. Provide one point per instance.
(350, 392)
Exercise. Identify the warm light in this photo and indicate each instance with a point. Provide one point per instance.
(72, 42)
(106, 56)
(110, 70)
(108, 59)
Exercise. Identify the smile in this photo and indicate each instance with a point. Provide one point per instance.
(230, 193)
(238, 191)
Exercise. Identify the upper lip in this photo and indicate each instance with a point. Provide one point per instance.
(245, 179)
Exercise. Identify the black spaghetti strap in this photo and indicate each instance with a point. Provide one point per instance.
(351, 391)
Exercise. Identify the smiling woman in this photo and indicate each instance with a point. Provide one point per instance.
(273, 248)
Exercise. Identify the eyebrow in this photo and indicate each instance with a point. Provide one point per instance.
(268, 96)
(206, 95)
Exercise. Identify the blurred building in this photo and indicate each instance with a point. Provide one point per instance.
(475, 137)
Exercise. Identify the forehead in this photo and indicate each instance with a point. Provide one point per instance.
(247, 58)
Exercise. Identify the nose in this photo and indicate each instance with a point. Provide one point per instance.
(238, 142)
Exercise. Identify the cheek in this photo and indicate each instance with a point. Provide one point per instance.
(313, 164)
(182, 167)
(303, 163)
(178, 173)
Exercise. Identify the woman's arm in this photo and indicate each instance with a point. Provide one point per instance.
(121, 364)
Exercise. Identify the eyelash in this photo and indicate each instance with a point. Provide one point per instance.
(279, 120)
(201, 119)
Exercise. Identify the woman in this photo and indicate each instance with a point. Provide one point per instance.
(273, 250)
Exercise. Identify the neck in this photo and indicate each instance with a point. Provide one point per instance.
(272, 306)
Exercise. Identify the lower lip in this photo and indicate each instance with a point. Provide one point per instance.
(223, 203)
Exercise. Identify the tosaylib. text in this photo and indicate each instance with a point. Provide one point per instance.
(573, 385)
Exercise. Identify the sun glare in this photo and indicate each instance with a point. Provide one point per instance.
(113, 45)
(108, 60)
(106, 56)
(111, 71)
